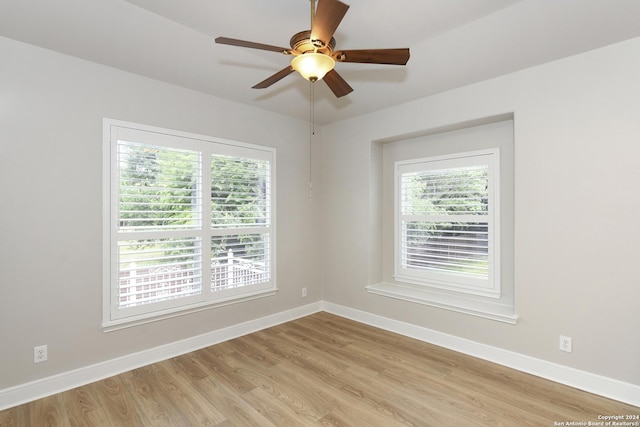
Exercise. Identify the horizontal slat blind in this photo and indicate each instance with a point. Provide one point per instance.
(159, 187)
(239, 260)
(240, 200)
(158, 270)
(456, 191)
(452, 247)
(240, 192)
(444, 221)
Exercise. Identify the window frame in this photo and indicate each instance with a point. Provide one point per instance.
(206, 147)
(457, 283)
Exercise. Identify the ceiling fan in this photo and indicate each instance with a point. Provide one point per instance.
(313, 51)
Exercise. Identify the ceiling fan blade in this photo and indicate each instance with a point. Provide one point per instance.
(374, 56)
(252, 45)
(274, 78)
(329, 14)
(337, 84)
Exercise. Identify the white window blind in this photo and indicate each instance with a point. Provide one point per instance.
(446, 227)
(159, 191)
(159, 187)
(154, 270)
(188, 222)
(240, 196)
(239, 192)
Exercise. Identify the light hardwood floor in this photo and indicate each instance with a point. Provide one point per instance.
(318, 370)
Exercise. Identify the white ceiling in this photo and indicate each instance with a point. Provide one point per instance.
(453, 43)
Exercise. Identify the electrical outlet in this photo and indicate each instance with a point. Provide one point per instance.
(565, 343)
(304, 292)
(39, 354)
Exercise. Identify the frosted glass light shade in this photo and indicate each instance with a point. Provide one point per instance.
(313, 66)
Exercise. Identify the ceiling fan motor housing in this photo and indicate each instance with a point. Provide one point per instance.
(302, 43)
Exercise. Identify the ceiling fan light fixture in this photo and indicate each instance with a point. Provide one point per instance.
(313, 66)
(314, 55)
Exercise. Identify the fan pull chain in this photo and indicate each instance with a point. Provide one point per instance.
(312, 132)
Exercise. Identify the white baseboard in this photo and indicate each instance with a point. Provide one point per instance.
(614, 389)
(23, 393)
(593, 383)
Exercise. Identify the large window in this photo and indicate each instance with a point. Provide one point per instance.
(447, 225)
(188, 222)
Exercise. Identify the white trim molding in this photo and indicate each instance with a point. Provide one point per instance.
(592, 383)
(485, 308)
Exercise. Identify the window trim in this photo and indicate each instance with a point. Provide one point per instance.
(188, 305)
(450, 281)
(488, 309)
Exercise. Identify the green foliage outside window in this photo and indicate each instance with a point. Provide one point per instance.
(439, 237)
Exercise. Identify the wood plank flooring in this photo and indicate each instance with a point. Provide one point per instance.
(321, 370)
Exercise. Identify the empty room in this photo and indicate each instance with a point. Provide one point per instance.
(317, 212)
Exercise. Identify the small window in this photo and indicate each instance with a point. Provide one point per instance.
(446, 215)
(188, 222)
(447, 225)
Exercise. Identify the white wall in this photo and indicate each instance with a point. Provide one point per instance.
(51, 111)
(577, 233)
(576, 204)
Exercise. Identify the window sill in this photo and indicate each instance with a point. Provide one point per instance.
(114, 325)
(462, 304)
